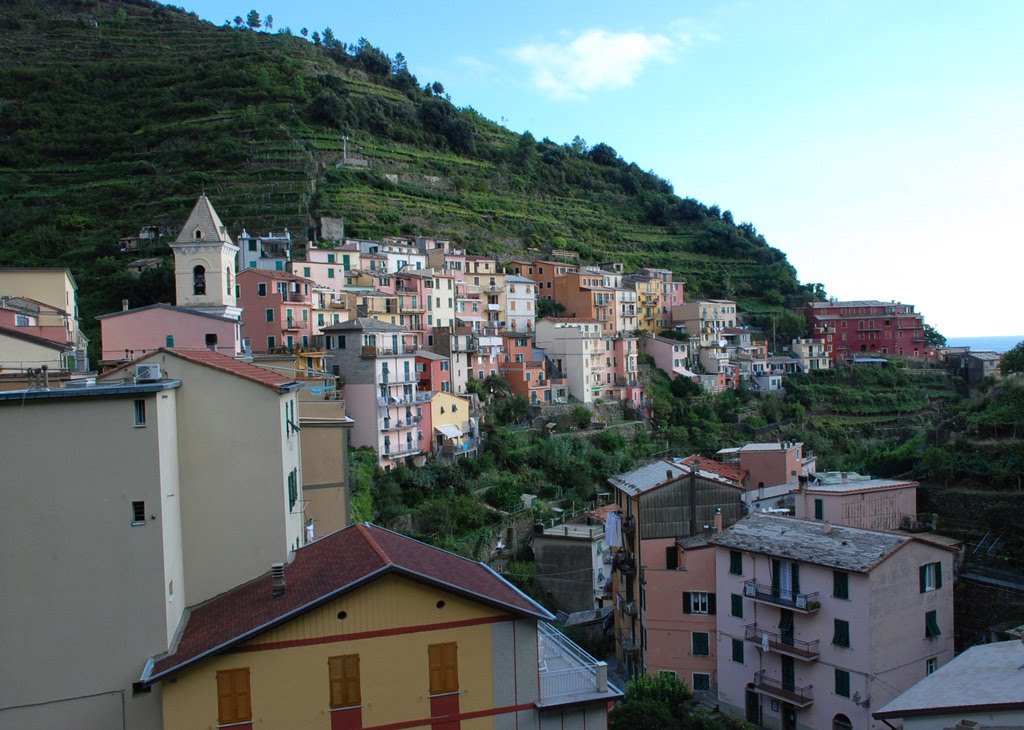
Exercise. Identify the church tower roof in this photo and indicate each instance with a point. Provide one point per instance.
(204, 225)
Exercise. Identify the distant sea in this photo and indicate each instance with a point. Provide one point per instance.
(996, 344)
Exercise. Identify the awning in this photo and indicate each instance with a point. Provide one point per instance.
(451, 432)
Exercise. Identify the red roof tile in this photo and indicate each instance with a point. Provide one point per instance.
(727, 471)
(224, 363)
(322, 571)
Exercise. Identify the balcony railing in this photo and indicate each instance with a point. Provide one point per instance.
(798, 696)
(568, 673)
(398, 378)
(397, 452)
(294, 296)
(388, 351)
(802, 602)
(782, 644)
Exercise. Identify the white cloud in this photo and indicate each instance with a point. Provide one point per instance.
(594, 59)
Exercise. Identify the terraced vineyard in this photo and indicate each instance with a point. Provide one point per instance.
(116, 115)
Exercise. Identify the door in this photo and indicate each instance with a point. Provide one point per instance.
(788, 674)
(786, 626)
(753, 707)
(788, 717)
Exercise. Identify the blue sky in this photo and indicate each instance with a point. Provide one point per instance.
(879, 145)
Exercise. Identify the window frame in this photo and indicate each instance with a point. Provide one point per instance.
(344, 681)
(931, 624)
(443, 666)
(736, 609)
(138, 512)
(735, 562)
(702, 688)
(841, 633)
(139, 412)
(738, 650)
(841, 585)
(842, 682)
(233, 679)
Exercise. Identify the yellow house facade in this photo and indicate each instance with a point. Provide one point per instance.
(365, 629)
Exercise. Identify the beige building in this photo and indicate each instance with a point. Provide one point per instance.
(325, 483)
(204, 260)
(54, 287)
(811, 353)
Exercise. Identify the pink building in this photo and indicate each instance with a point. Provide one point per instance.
(846, 498)
(37, 319)
(133, 333)
(278, 309)
(771, 464)
(821, 622)
(523, 367)
(327, 266)
(434, 372)
(870, 327)
(669, 355)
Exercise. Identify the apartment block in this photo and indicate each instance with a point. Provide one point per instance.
(868, 326)
(272, 251)
(847, 498)
(812, 354)
(826, 621)
(328, 266)
(577, 350)
(543, 273)
(45, 298)
(278, 310)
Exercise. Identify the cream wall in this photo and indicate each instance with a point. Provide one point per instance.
(18, 354)
(325, 484)
(290, 685)
(84, 591)
(50, 286)
(234, 460)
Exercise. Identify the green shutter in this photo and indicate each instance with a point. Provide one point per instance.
(712, 604)
(687, 603)
(737, 605)
(931, 625)
(840, 584)
(735, 562)
(842, 683)
(737, 651)
(796, 577)
(819, 509)
(841, 633)
(938, 575)
(700, 644)
(169, 341)
(776, 568)
(921, 577)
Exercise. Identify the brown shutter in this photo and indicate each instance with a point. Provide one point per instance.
(225, 698)
(233, 700)
(436, 670)
(444, 667)
(350, 674)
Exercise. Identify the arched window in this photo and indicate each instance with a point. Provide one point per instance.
(841, 722)
(199, 281)
(197, 233)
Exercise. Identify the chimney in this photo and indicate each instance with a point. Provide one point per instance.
(277, 579)
(124, 305)
(668, 473)
(826, 528)
(843, 475)
(718, 520)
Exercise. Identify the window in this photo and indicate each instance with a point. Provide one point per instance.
(233, 700)
(701, 682)
(252, 245)
(211, 340)
(737, 651)
(330, 273)
(699, 602)
(700, 644)
(138, 513)
(270, 315)
(444, 667)
(293, 488)
(735, 562)
(931, 625)
(819, 509)
(931, 577)
(841, 722)
(931, 665)
(841, 633)
(271, 343)
(842, 683)
(261, 289)
(140, 413)
(344, 679)
(737, 605)
(169, 341)
(330, 258)
(671, 557)
(840, 585)
(21, 320)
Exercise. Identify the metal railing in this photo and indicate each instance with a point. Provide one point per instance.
(800, 696)
(782, 643)
(565, 669)
(806, 602)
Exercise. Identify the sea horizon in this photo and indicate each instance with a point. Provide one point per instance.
(995, 343)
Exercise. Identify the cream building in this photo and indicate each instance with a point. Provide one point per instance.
(520, 303)
(578, 351)
(54, 287)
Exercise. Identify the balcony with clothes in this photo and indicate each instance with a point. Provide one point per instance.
(783, 690)
(782, 642)
(568, 674)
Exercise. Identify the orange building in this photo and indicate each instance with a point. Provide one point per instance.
(542, 272)
(366, 628)
(585, 296)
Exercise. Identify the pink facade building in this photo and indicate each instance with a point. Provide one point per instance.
(327, 266)
(434, 372)
(670, 356)
(278, 309)
(523, 367)
(133, 333)
(846, 498)
(868, 327)
(771, 464)
(818, 623)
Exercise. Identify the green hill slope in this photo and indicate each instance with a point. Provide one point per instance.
(115, 115)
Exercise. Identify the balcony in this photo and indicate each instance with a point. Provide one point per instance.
(804, 650)
(374, 351)
(291, 324)
(396, 425)
(624, 563)
(567, 673)
(294, 296)
(799, 602)
(799, 697)
(398, 378)
(398, 452)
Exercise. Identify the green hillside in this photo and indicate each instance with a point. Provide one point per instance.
(115, 115)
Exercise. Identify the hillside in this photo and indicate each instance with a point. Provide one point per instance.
(115, 115)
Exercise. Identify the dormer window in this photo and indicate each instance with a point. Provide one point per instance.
(199, 280)
(197, 234)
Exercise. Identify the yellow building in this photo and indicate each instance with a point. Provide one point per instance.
(453, 428)
(367, 628)
(57, 288)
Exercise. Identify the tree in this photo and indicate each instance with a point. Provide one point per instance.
(399, 64)
(438, 88)
(328, 38)
(304, 32)
(933, 337)
(316, 38)
(1013, 361)
(270, 22)
(238, 21)
(253, 20)
(580, 417)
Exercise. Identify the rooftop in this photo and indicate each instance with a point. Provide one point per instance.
(776, 446)
(727, 471)
(223, 363)
(87, 391)
(987, 678)
(169, 307)
(834, 482)
(843, 548)
(367, 324)
(323, 571)
(21, 334)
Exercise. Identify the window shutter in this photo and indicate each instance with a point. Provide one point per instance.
(711, 603)
(225, 698)
(335, 673)
(350, 680)
(737, 605)
(450, 657)
(687, 603)
(938, 575)
(796, 577)
(671, 557)
(775, 577)
(436, 670)
(921, 576)
(735, 562)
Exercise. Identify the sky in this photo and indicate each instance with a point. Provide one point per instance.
(880, 145)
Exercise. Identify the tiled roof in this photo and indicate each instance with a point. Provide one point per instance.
(647, 476)
(843, 548)
(170, 307)
(322, 571)
(365, 324)
(727, 471)
(224, 363)
(18, 334)
(205, 218)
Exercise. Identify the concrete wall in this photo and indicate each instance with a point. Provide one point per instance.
(18, 354)
(86, 591)
(562, 569)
